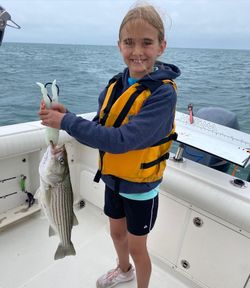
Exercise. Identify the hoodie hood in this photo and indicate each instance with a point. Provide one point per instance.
(162, 71)
(165, 71)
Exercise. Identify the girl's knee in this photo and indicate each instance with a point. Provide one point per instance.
(137, 251)
(137, 246)
(118, 229)
(118, 235)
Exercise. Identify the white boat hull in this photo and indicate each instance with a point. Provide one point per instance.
(201, 237)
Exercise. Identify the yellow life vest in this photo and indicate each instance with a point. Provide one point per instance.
(143, 165)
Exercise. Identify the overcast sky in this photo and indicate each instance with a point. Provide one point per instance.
(189, 23)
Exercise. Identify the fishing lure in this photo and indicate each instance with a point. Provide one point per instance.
(51, 134)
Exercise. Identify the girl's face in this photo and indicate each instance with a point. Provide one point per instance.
(139, 45)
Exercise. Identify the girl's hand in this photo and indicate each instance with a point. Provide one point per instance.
(58, 107)
(55, 106)
(52, 117)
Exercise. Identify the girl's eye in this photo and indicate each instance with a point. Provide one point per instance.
(128, 42)
(147, 42)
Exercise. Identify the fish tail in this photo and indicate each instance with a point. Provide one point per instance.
(52, 231)
(63, 251)
(75, 221)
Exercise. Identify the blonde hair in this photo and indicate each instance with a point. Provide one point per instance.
(147, 13)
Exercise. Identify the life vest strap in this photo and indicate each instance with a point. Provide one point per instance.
(117, 184)
(127, 107)
(114, 79)
(117, 78)
(98, 176)
(155, 162)
(171, 137)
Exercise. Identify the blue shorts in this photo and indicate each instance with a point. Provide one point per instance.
(140, 215)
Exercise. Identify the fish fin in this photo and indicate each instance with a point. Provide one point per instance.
(37, 194)
(75, 221)
(51, 231)
(63, 251)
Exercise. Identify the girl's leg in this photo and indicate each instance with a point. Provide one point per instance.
(119, 235)
(124, 272)
(139, 252)
(141, 216)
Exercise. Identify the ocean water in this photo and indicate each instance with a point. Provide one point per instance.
(210, 77)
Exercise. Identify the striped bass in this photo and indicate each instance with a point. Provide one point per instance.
(56, 198)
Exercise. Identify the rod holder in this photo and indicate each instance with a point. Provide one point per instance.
(178, 156)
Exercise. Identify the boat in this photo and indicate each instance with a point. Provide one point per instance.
(201, 238)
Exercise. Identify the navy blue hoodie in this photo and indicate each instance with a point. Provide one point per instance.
(151, 124)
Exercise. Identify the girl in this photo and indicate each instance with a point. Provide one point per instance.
(133, 132)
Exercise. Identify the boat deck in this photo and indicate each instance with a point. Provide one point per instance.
(27, 255)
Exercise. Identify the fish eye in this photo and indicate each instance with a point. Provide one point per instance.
(61, 160)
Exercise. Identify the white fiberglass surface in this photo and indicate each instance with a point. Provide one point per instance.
(26, 255)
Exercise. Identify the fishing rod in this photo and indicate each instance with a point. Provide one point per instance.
(5, 20)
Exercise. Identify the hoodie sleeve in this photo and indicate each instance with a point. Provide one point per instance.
(151, 124)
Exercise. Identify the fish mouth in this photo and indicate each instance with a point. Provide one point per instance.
(52, 145)
(55, 149)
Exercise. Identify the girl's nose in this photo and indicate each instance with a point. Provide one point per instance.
(137, 50)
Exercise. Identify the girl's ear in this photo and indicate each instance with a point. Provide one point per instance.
(163, 46)
(119, 44)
